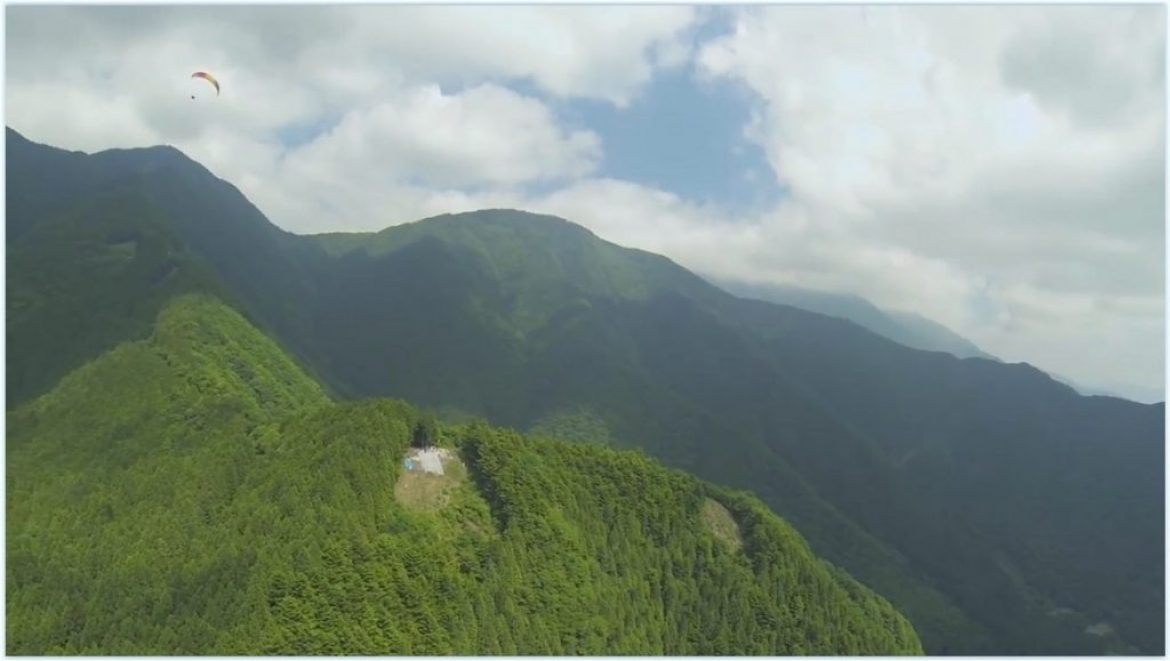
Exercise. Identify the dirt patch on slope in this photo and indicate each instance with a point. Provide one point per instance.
(719, 521)
(425, 490)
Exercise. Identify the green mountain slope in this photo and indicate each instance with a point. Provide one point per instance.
(197, 493)
(96, 242)
(86, 278)
(739, 393)
(999, 510)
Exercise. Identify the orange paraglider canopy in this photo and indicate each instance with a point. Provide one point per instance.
(209, 78)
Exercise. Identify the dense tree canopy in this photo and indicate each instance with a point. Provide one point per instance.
(196, 493)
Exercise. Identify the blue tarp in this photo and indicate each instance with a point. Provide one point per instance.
(409, 464)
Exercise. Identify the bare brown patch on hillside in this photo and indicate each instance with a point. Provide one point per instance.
(419, 489)
(719, 521)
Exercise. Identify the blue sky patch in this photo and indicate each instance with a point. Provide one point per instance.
(683, 136)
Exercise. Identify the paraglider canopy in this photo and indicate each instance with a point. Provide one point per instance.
(209, 78)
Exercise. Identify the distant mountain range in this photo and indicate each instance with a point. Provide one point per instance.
(998, 509)
(905, 328)
(912, 330)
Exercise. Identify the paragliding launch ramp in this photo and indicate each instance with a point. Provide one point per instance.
(429, 460)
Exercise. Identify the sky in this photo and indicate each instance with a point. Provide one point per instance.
(998, 169)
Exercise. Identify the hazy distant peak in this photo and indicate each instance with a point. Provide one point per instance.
(908, 329)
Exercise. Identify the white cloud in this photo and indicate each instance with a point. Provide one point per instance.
(571, 51)
(1097, 68)
(954, 157)
(412, 98)
(60, 113)
(381, 162)
(484, 135)
(566, 50)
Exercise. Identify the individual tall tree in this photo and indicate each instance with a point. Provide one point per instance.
(426, 431)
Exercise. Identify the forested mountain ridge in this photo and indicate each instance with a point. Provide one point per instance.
(195, 492)
(96, 243)
(967, 492)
